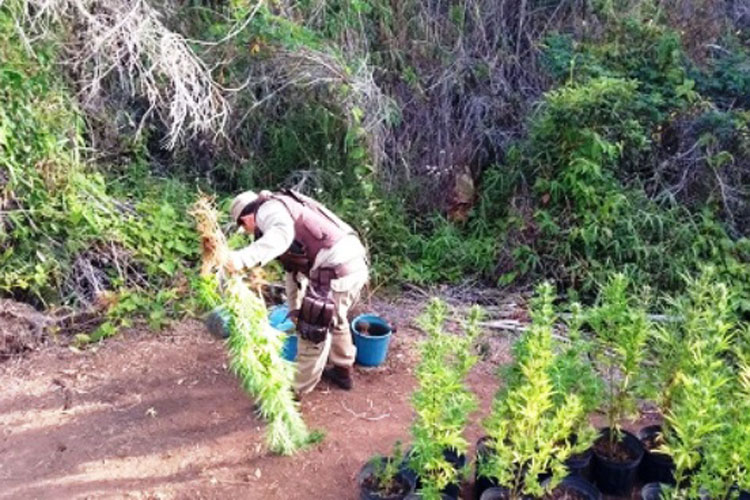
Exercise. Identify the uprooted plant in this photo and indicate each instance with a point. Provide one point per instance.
(254, 347)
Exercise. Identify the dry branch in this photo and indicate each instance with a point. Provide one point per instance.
(127, 43)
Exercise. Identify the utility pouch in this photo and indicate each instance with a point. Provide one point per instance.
(315, 317)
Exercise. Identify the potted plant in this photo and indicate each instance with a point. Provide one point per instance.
(384, 478)
(530, 425)
(668, 349)
(724, 468)
(699, 431)
(442, 403)
(701, 425)
(621, 328)
(573, 372)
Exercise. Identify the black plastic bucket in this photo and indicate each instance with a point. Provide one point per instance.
(581, 486)
(617, 478)
(368, 471)
(651, 491)
(482, 483)
(655, 467)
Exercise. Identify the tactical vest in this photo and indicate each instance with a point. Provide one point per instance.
(315, 228)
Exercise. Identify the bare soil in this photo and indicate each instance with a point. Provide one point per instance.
(617, 452)
(159, 416)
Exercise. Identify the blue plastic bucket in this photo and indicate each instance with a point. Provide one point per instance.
(218, 320)
(278, 319)
(372, 348)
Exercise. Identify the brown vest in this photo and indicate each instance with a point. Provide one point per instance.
(315, 228)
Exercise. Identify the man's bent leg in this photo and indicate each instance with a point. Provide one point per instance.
(311, 360)
(343, 351)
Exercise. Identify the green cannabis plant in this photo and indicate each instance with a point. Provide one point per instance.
(385, 474)
(621, 328)
(704, 311)
(254, 347)
(531, 426)
(708, 420)
(442, 400)
(725, 457)
(572, 370)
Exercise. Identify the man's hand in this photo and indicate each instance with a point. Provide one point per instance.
(233, 263)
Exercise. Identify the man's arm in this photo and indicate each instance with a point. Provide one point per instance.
(277, 227)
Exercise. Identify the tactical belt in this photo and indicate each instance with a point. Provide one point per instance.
(318, 308)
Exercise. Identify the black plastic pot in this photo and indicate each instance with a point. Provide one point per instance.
(417, 496)
(494, 493)
(617, 478)
(651, 491)
(482, 483)
(580, 465)
(655, 467)
(368, 471)
(743, 495)
(580, 486)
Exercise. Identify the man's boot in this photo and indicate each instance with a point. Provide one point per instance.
(340, 375)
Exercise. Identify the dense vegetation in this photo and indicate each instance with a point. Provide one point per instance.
(494, 140)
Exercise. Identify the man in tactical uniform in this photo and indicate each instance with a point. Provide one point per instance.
(326, 268)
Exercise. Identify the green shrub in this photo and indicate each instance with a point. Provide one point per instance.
(69, 234)
(442, 400)
(532, 419)
(621, 328)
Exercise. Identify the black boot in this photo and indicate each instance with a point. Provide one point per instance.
(341, 376)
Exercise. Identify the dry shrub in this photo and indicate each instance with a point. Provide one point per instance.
(22, 328)
(120, 43)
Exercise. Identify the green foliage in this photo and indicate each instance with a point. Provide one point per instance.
(699, 418)
(532, 422)
(592, 149)
(621, 328)
(386, 469)
(442, 400)
(572, 370)
(727, 78)
(71, 235)
(255, 357)
(447, 254)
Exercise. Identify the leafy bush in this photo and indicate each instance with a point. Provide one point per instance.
(71, 235)
(703, 411)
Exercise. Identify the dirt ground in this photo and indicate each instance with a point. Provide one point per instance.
(150, 416)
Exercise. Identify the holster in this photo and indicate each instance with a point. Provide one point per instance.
(315, 316)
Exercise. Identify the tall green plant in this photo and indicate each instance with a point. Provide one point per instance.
(621, 328)
(700, 428)
(442, 400)
(531, 425)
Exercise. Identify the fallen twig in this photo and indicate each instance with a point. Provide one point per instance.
(363, 415)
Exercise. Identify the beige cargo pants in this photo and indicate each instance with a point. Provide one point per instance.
(338, 347)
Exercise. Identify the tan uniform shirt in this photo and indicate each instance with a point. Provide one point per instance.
(277, 226)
